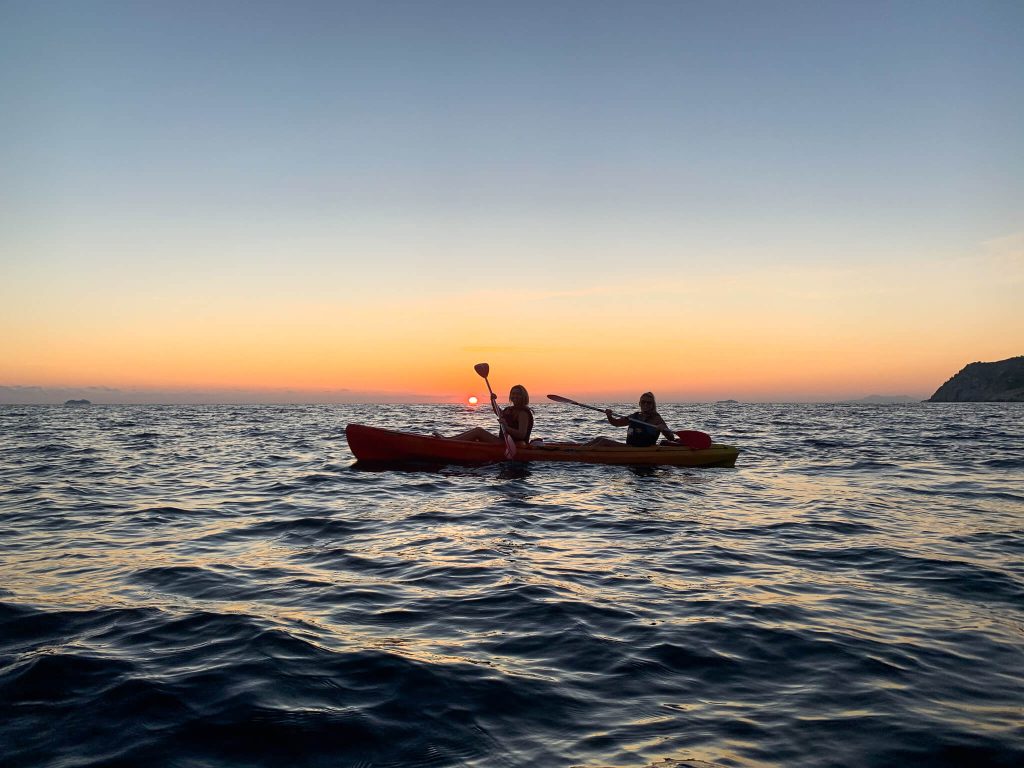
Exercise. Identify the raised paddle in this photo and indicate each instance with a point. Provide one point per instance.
(483, 369)
(691, 438)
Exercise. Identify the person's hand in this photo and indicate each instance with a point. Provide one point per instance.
(494, 397)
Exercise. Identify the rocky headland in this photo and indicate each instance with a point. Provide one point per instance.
(998, 382)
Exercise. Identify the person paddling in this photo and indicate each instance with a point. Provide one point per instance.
(638, 435)
(516, 420)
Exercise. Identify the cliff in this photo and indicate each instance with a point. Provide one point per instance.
(1002, 381)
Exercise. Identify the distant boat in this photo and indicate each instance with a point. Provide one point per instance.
(77, 402)
(727, 401)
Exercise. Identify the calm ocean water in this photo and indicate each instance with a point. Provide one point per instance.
(217, 586)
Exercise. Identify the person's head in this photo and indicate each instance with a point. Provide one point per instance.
(647, 403)
(518, 395)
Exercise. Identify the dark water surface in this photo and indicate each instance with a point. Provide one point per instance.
(217, 586)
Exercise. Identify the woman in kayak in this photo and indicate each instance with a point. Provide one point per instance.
(638, 435)
(516, 420)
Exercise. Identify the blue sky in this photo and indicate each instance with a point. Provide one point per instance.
(907, 112)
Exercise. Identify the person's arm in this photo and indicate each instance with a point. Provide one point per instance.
(617, 421)
(660, 424)
(505, 427)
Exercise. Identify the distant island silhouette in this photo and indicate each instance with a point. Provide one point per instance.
(998, 382)
(78, 402)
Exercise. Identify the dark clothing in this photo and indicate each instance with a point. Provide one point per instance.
(640, 436)
(512, 415)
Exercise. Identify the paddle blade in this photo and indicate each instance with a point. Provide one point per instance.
(483, 370)
(510, 447)
(560, 399)
(691, 438)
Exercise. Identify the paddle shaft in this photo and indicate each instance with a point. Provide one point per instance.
(510, 442)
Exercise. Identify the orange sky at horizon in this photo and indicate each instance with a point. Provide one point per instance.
(814, 333)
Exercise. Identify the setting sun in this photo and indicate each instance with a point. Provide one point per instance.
(472, 400)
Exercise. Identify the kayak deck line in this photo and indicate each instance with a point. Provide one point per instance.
(376, 445)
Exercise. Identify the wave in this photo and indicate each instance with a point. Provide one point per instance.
(216, 586)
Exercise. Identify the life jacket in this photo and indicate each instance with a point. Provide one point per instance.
(512, 415)
(639, 435)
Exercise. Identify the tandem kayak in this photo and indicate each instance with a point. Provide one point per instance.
(384, 446)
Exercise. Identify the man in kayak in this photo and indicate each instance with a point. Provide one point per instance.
(516, 420)
(638, 435)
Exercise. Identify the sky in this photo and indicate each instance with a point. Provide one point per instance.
(765, 201)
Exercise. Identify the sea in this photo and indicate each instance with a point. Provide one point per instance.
(221, 585)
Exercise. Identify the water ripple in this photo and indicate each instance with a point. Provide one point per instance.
(219, 586)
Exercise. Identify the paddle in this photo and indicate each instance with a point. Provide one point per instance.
(483, 369)
(691, 438)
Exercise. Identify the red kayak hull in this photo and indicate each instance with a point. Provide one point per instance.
(384, 446)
